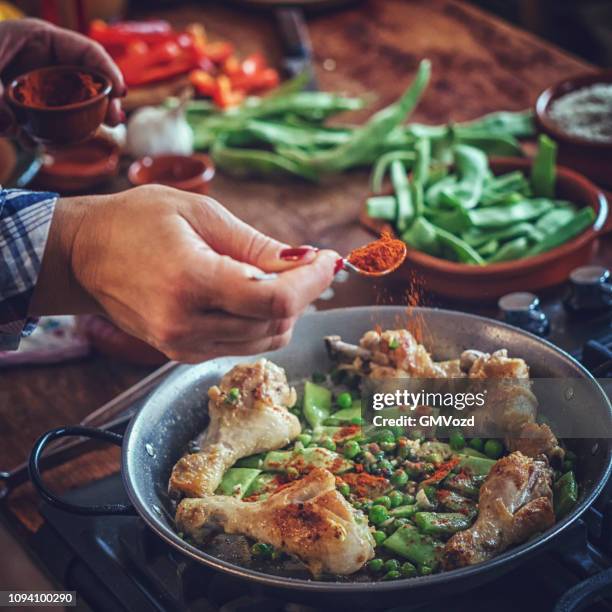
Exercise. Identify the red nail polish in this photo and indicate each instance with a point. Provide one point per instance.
(339, 265)
(295, 254)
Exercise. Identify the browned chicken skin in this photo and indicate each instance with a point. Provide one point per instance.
(253, 420)
(308, 518)
(515, 503)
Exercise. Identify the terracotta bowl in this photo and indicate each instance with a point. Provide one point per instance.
(60, 124)
(470, 282)
(593, 159)
(187, 172)
(79, 167)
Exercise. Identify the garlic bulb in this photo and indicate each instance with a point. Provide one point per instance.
(153, 130)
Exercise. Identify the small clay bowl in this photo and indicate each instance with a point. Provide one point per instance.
(187, 172)
(591, 158)
(79, 167)
(487, 283)
(67, 123)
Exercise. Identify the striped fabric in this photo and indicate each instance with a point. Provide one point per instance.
(25, 217)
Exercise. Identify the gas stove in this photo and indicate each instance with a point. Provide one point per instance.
(116, 563)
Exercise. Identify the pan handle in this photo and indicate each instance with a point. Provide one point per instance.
(51, 498)
(586, 592)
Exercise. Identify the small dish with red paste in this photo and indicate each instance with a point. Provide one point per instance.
(60, 104)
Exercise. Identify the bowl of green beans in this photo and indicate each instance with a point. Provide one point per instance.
(477, 228)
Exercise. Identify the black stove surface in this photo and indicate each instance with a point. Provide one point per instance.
(117, 563)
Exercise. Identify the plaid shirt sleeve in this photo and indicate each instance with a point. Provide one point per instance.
(25, 217)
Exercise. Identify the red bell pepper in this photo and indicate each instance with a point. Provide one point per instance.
(124, 32)
(224, 96)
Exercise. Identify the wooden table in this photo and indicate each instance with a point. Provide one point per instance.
(480, 64)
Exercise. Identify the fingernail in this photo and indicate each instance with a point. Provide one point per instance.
(123, 92)
(296, 253)
(339, 265)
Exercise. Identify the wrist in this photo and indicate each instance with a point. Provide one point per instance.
(59, 289)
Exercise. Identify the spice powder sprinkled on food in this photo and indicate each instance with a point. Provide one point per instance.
(379, 256)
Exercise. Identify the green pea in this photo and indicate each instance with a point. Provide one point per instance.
(396, 498)
(383, 500)
(379, 537)
(477, 444)
(393, 575)
(305, 439)
(344, 489)
(318, 377)
(378, 514)
(351, 449)
(233, 395)
(261, 549)
(408, 499)
(394, 343)
(399, 478)
(493, 449)
(408, 570)
(387, 446)
(425, 570)
(344, 400)
(328, 443)
(357, 421)
(392, 565)
(376, 565)
(457, 441)
(383, 435)
(385, 465)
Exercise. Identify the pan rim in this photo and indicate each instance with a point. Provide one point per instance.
(522, 551)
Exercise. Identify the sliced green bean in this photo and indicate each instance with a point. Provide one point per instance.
(441, 524)
(556, 218)
(502, 216)
(382, 207)
(401, 186)
(476, 237)
(421, 235)
(382, 164)
(464, 252)
(543, 170)
(583, 219)
(514, 249)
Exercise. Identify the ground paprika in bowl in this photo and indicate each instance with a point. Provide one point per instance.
(60, 104)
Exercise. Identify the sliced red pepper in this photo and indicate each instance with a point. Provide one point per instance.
(219, 51)
(204, 83)
(254, 63)
(260, 81)
(224, 96)
(123, 32)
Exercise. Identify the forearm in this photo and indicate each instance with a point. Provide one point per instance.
(57, 289)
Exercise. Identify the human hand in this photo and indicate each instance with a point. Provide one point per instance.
(177, 270)
(26, 44)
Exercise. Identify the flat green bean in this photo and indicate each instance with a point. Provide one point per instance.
(514, 249)
(401, 186)
(583, 219)
(383, 163)
(477, 237)
(543, 170)
(502, 216)
(382, 207)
